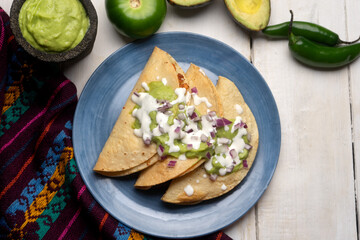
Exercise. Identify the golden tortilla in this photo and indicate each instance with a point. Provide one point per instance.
(204, 188)
(123, 150)
(160, 172)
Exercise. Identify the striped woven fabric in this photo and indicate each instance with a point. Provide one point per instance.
(42, 195)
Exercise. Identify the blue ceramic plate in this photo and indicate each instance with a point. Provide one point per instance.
(101, 102)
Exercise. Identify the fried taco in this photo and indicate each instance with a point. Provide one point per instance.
(204, 99)
(235, 150)
(125, 152)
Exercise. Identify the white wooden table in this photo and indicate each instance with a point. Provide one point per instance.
(313, 194)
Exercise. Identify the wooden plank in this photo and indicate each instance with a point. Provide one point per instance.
(244, 228)
(312, 193)
(353, 23)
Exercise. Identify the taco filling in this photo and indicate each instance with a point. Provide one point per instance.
(163, 115)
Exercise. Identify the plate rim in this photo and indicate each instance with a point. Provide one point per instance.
(183, 34)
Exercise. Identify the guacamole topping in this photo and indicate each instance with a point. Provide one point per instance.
(53, 26)
(164, 116)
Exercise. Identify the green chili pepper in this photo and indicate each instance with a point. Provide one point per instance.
(317, 55)
(308, 30)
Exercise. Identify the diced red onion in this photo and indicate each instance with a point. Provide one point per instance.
(212, 134)
(190, 111)
(242, 125)
(196, 119)
(209, 144)
(171, 163)
(190, 130)
(160, 150)
(221, 122)
(212, 114)
(177, 129)
(193, 115)
(181, 116)
(209, 118)
(189, 146)
(248, 147)
(245, 164)
(223, 141)
(162, 158)
(233, 153)
(213, 177)
(164, 107)
(230, 169)
(226, 121)
(194, 90)
(208, 155)
(249, 136)
(136, 94)
(237, 126)
(203, 138)
(147, 141)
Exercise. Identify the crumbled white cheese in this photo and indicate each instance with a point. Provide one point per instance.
(238, 109)
(145, 86)
(189, 190)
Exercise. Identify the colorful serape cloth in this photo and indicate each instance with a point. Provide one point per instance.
(42, 195)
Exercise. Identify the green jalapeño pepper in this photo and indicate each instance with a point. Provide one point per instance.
(136, 18)
(318, 55)
(308, 30)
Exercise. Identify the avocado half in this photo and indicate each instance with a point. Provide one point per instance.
(189, 3)
(251, 14)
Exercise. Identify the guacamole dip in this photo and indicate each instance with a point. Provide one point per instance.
(52, 25)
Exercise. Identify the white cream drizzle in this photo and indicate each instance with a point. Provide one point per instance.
(147, 104)
(145, 86)
(198, 100)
